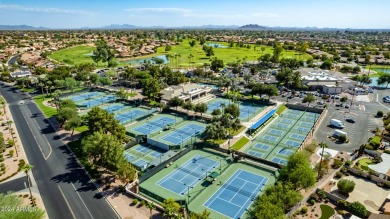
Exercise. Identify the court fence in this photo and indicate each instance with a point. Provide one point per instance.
(158, 168)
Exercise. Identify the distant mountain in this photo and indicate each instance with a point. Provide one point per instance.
(21, 27)
(253, 27)
(119, 26)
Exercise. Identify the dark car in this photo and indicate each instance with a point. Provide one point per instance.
(350, 120)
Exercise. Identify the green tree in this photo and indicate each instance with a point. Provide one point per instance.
(168, 48)
(345, 186)
(122, 94)
(216, 112)
(66, 114)
(192, 43)
(327, 64)
(105, 81)
(201, 108)
(70, 84)
(216, 64)
(99, 120)
(233, 110)
(215, 131)
(357, 209)
(172, 209)
(271, 90)
(297, 80)
(203, 215)
(152, 88)
(26, 168)
(175, 102)
(150, 206)
(309, 99)
(343, 99)
(72, 123)
(384, 79)
(188, 106)
(94, 78)
(126, 172)
(278, 50)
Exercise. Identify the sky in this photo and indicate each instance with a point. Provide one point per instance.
(366, 14)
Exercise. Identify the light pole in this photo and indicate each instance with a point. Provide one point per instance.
(188, 192)
(181, 140)
(163, 123)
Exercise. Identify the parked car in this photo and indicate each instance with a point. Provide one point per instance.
(346, 106)
(350, 120)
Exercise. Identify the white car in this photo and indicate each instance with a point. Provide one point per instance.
(386, 100)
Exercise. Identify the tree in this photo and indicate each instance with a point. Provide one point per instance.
(233, 110)
(308, 99)
(203, 215)
(72, 123)
(343, 99)
(94, 78)
(201, 108)
(172, 209)
(126, 172)
(105, 81)
(192, 43)
(216, 112)
(122, 94)
(26, 168)
(270, 91)
(151, 88)
(278, 50)
(99, 120)
(56, 99)
(357, 209)
(345, 186)
(298, 171)
(188, 106)
(215, 131)
(236, 124)
(70, 84)
(175, 102)
(327, 64)
(65, 114)
(297, 80)
(216, 64)
(150, 206)
(168, 48)
(384, 79)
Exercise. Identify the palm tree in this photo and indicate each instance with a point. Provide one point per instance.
(323, 145)
(56, 98)
(26, 168)
(150, 206)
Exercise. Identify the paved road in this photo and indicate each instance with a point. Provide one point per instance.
(65, 188)
(14, 185)
(13, 59)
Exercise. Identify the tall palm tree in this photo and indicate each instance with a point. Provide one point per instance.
(26, 168)
(150, 206)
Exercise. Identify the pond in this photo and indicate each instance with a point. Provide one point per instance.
(384, 70)
(147, 60)
(217, 45)
(374, 82)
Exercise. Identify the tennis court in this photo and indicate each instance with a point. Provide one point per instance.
(142, 155)
(132, 114)
(236, 194)
(154, 125)
(283, 136)
(184, 133)
(96, 101)
(84, 96)
(187, 175)
(113, 108)
(247, 110)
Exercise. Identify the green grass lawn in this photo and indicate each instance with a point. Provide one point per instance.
(281, 108)
(363, 163)
(228, 55)
(240, 143)
(48, 111)
(326, 211)
(236, 132)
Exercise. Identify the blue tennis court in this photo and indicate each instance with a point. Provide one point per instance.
(298, 137)
(293, 143)
(155, 154)
(129, 157)
(286, 121)
(84, 96)
(291, 115)
(285, 152)
(275, 132)
(247, 110)
(270, 138)
(303, 129)
(236, 194)
(188, 175)
(114, 108)
(255, 153)
(282, 126)
(141, 164)
(184, 133)
(262, 146)
(306, 124)
(129, 116)
(154, 125)
(142, 149)
(279, 160)
(97, 101)
(217, 104)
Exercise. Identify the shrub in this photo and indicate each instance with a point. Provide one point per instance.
(340, 212)
(338, 174)
(337, 163)
(311, 148)
(134, 202)
(11, 153)
(312, 201)
(345, 186)
(387, 184)
(343, 138)
(377, 159)
(348, 163)
(379, 113)
(387, 151)
(1, 159)
(11, 142)
(304, 210)
(369, 147)
(357, 209)
(342, 204)
(142, 203)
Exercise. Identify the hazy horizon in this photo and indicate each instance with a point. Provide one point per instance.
(355, 14)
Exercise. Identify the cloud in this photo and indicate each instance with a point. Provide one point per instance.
(44, 10)
(159, 10)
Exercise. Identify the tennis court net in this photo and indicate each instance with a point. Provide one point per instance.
(191, 172)
(235, 189)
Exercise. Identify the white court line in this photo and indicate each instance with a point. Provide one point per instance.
(82, 200)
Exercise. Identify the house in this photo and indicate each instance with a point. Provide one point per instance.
(187, 92)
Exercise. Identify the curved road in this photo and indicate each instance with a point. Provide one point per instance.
(64, 186)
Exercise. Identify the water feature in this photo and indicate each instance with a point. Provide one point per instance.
(217, 45)
(147, 60)
(374, 82)
(208, 85)
(88, 54)
(384, 70)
